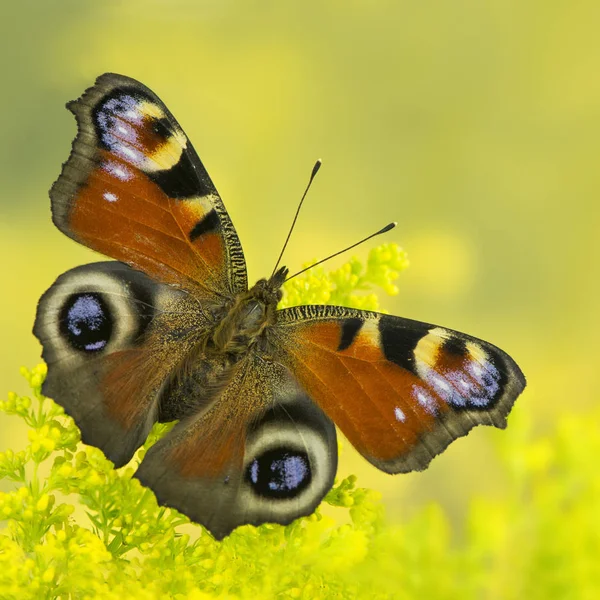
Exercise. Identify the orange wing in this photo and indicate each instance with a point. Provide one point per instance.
(399, 390)
(134, 189)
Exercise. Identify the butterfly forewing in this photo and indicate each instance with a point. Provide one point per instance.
(400, 390)
(134, 189)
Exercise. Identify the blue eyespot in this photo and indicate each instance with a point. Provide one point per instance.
(86, 322)
(279, 473)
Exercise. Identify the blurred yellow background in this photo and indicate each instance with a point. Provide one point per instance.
(473, 124)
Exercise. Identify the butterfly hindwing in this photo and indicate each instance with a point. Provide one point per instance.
(134, 189)
(261, 452)
(400, 390)
(111, 338)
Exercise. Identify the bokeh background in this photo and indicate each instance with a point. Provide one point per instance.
(475, 125)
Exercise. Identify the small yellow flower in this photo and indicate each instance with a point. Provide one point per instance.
(42, 503)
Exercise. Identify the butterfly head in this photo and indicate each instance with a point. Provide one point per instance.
(269, 291)
(278, 278)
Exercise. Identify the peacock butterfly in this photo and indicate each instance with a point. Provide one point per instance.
(171, 331)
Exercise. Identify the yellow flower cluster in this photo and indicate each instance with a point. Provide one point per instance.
(47, 550)
(338, 287)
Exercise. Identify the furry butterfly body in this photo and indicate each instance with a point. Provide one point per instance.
(172, 331)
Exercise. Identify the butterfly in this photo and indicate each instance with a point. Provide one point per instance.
(170, 331)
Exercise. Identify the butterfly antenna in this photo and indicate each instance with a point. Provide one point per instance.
(287, 239)
(387, 228)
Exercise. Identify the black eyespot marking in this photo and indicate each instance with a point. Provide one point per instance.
(280, 473)
(456, 346)
(162, 127)
(399, 340)
(350, 328)
(116, 118)
(208, 224)
(86, 322)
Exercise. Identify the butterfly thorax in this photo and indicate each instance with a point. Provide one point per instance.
(251, 313)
